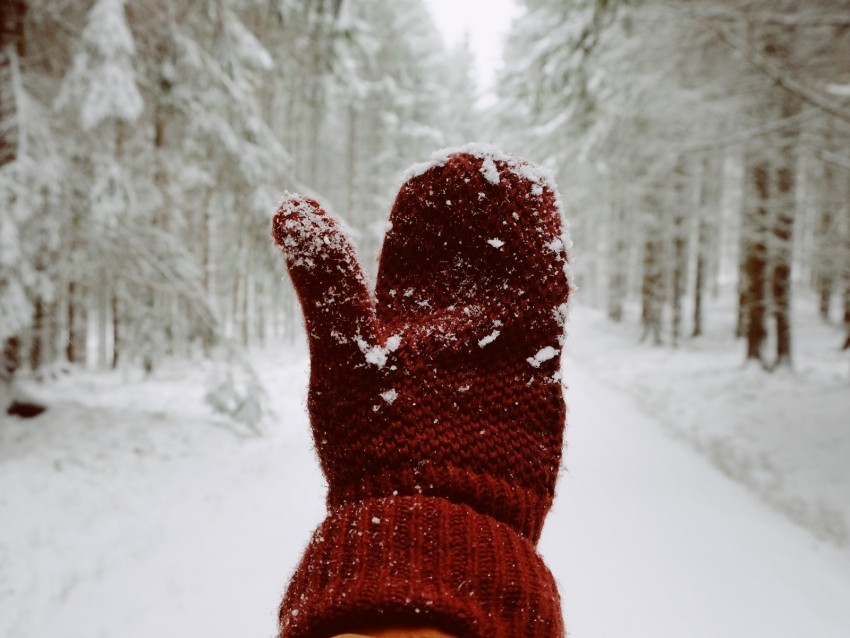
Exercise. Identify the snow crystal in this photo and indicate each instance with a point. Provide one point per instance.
(496, 242)
(376, 355)
(556, 245)
(389, 396)
(562, 313)
(490, 172)
(543, 355)
(376, 520)
(490, 338)
(538, 175)
(311, 232)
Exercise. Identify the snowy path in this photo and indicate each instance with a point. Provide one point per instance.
(117, 522)
(648, 540)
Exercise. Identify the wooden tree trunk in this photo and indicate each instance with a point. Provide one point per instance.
(680, 246)
(783, 204)
(37, 340)
(708, 207)
(12, 13)
(755, 260)
(845, 270)
(104, 326)
(116, 332)
(617, 262)
(651, 289)
(783, 225)
(827, 238)
(76, 348)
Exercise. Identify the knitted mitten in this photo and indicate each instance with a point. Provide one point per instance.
(436, 404)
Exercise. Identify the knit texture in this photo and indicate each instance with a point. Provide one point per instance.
(436, 404)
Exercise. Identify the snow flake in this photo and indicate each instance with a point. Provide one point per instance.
(489, 170)
(544, 354)
(561, 315)
(376, 355)
(376, 520)
(496, 242)
(490, 338)
(389, 396)
(556, 245)
(311, 234)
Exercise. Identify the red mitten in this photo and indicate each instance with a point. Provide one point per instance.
(436, 404)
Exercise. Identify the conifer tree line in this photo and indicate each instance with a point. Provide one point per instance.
(144, 145)
(703, 147)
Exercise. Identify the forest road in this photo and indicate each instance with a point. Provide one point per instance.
(123, 522)
(646, 539)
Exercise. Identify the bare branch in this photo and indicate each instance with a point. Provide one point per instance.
(838, 109)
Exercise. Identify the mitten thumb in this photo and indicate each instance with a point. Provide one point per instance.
(338, 310)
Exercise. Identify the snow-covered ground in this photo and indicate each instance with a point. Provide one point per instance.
(128, 510)
(785, 435)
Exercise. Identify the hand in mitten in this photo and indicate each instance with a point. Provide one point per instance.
(436, 404)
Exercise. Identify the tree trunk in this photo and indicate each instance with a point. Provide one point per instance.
(103, 322)
(781, 268)
(617, 263)
(36, 347)
(826, 241)
(652, 277)
(680, 246)
(783, 204)
(116, 334)
(845, 262)
(708, 207)
(76, 349)
(755, 261)
(12, 14)
(10, 359)
(743, 279)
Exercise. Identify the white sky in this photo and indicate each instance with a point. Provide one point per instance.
(487, 23)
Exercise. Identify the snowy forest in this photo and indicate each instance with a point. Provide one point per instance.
(700, 145)
(702, 150)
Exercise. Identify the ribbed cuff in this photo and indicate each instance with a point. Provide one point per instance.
(420, 561)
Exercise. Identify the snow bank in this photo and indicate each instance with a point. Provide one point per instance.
(784, 436)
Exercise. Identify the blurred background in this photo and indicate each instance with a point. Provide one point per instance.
(153, 359)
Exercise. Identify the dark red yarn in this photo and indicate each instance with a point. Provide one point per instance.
(436, 405)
